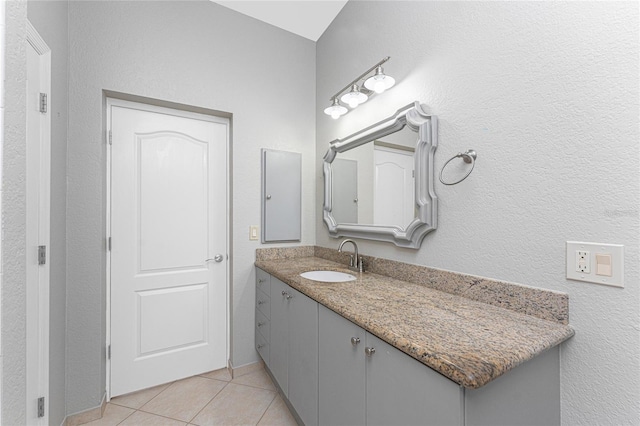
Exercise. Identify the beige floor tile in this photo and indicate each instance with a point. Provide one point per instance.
(236, 405)
(277, 415)
(113, 415)
(140, 418)
(257, 379)
(138, 399)
(183, 399)
(222, 374)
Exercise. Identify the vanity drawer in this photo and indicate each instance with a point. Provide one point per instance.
(262, 346)
(263, 281)
(263, 304)
(263, 324)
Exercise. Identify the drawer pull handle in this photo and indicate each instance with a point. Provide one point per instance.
(260, 323)
(355, 341)
(261, 302)
(286, 295)
(369, 351)
(260, 346)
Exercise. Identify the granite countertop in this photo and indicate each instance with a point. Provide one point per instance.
(469, 342)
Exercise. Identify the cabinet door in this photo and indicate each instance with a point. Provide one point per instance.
(281, 195)
(279, 334)
(403, 391)
(341, 399)
(303, 356)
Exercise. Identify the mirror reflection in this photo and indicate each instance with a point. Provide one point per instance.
(374, 183)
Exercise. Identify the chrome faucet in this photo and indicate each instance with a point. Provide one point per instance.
(356, 263)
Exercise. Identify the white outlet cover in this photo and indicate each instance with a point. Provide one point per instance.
(617, 263)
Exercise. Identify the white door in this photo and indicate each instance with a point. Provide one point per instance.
(394, 188)
(344, 192)
(168, 258)
(37, 227)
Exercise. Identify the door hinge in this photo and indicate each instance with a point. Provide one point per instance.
(109, 244)
(42, 255)
(41, 406)
(110, 138)
(109, 352)
(43, 102)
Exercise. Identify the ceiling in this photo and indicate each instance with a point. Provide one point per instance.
(307, 18)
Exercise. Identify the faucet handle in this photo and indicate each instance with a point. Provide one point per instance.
(360, 264)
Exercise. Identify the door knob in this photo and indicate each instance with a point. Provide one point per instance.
(218, 258)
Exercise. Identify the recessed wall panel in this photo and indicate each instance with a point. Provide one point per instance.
(171, 318)
(172, 204)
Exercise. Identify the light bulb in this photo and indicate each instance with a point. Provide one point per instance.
(354, 97)
(378, 85)
(335, 110)
(379, 82)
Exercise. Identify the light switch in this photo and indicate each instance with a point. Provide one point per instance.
(597, 263)
(603, 264)
(253, 232)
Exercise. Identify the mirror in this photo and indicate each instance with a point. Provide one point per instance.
(379, 181)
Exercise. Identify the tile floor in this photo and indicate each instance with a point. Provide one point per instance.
(209, 399)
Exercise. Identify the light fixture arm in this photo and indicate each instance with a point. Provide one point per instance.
(360, 77)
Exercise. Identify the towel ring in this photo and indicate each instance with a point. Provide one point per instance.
(468, 157)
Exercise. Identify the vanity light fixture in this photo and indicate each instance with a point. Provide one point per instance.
(379, 82)
(355, 97)
(335, 110)
(359, 92)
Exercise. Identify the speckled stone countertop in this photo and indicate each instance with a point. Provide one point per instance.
(468, 341)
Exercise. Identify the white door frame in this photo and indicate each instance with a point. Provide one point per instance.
(171, 108)
(40, 343)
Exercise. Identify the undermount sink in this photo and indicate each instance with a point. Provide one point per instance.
(328, 276)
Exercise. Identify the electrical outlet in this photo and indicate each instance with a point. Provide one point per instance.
(253, 232)
(583, 262)
(595, 263)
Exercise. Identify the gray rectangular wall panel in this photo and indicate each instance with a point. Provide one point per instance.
(281, 195)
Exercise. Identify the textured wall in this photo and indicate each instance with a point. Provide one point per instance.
(50, 20)
(547, 93)
(13, 218)
(195, 53)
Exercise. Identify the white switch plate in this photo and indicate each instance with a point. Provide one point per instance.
(253, 232)
(587, 272)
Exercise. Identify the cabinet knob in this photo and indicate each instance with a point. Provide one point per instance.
(261, 302)
(355, 341)
(260, 280)
(369, 351)
(268, 197)
(260, 323)
(260, 346)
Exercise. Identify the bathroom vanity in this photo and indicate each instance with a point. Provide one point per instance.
(384, 351)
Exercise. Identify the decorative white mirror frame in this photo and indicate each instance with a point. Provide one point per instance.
(414, 116)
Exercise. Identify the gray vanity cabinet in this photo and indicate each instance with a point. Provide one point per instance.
(333, 372)
(402, 391)
(279, 343)
(341, 399)
(386, 387)
(293, 358)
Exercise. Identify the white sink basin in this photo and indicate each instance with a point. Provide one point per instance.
(328, 276)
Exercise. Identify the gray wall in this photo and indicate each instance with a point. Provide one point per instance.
(195, 53)
(50, 20)
(13, 218)
(547, 93)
